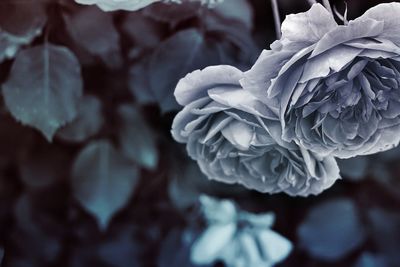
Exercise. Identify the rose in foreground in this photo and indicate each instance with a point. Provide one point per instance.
(337, 86)
(236, 139)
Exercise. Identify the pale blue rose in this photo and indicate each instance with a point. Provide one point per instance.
(235, 138)
(335, 88)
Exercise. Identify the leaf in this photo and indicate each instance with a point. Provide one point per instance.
(35, 234)
(122, 250)
(172, 13)
(240, 10)
(20, 23)
(368, 259)
(354, 168)
(44, 88)
(385, 232)
(94, 31)
(175, 249)
(188, 51)
(332, 230)
(103, 180)
(139, 83)
(136, 138)
(44, 166)
(135, 24)
(86, 124)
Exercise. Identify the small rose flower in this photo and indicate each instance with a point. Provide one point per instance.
(238, 238)
(336, 88)
(237, 139)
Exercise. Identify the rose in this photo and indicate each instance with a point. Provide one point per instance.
(337, 86)
(236, 139)
(236, 237)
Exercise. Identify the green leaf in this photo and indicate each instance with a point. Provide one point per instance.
(44, 88)
(103, 180)
(86, 124)
(136, 138)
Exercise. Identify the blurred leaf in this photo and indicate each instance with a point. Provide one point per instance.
(121, 250)
(94, 30)
(240, 10)
(368, 259)
(172, 13)
(234, 41)
(139, 83)
(20, 23)
(135, 24)
(44, 88)
(188, 183)
(189, 51)
(354, 168)
(175, 249)
(86, 124)
(385, 231)
(34, 237)
(44, 167)
(136, 138)
(331, 230)
(103, 180)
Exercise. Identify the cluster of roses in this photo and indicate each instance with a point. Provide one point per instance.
(322, 91)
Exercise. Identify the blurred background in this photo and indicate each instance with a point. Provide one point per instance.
(111, 188)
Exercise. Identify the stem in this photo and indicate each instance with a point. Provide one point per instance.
(312, 2)
(327, 6)
(277, 18)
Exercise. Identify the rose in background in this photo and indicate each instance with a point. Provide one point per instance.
(235, 138)
(338, 86)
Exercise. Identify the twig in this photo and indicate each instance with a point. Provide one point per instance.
(327, 6)
(277, 18)
(312, 2)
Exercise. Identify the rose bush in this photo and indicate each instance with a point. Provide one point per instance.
(235, 138)
(336, 88)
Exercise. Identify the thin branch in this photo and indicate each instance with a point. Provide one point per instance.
(277, 18)
(327, 6)
(312, 2)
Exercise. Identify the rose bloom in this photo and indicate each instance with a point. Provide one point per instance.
(336, 88)
(235, 138)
